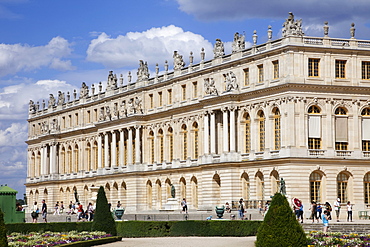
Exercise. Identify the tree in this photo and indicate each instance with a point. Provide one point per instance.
(103, 218)
(280, 227)
(3, 237)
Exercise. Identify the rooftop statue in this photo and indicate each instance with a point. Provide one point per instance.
(61, 98)
(112, 81)
(51, 101)
(238, 42)
(32, 106)
(178, 62)
(143, 72)
(292, 27)
(84, 92)
(219, 49)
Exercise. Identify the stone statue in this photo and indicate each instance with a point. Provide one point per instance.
(282, 189)
(210, 88)
(115, 111)
(101, 114)
(230, 80)
(84, 92)
(352, 30)
(54, 125)
(122, 110)
(238, 42)
(108, 115)
(51, 101)
(76, 195)
(61, 98)
(173, 191)
(138, 105)
(32, 107)
(44, 127)
(130, 107)
(178, 62)
(143, 72)
(219, 49)
(292, 27)
(112, 81)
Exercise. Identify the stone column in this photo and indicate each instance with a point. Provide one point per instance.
(113, 150)
(232, 130)
(206, 134)
(129, 147)
(100, 151)
(213, 133)
(43, 158)
(225, 130)
(121, 147)
(137, 145)
(106, 150)
(53, 158)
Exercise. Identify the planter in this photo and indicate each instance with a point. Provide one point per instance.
(119, 213)
(220, 211)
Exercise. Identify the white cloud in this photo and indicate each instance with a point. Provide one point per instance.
(154, 46)
(14, 135)
(17, 57)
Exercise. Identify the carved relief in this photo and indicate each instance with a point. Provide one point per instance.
(123, 110)
(231, 82)
(209, 87)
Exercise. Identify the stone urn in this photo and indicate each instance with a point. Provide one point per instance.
(119, 213)
(220, 211)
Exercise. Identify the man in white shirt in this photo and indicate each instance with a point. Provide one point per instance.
(337, 208)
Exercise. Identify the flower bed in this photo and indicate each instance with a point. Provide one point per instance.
(35, 239)
(337, 239)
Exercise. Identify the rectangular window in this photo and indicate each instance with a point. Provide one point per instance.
(277, 133)
(341, 146)
(247, 136)
(69, 120)
(365, 70)
(95, 115)
(313, 67)
(88, 120)
(365, 145)
(160, 98)
(76, 117)
(315, 190)
(195, 90)
(151, 103)
(276, 69)
(340, 69)
(260, 73)
(246, 77)
(314, 143)
(63, 122)
(183, 93)
(169, 91)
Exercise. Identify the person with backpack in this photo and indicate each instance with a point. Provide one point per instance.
(328, 208)
(241, 209)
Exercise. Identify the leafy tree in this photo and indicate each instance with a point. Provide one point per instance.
(3, 237)
(103, 218)
(280, 227)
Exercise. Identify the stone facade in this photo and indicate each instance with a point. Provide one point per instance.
(296, 108)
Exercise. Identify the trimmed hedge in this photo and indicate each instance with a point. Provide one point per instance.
(53, 227)
(130, 229)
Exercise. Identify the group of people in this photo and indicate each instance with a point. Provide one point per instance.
(35, 211)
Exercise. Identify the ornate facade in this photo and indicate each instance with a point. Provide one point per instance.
(296, 108)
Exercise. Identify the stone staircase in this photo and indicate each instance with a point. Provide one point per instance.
(343, 227)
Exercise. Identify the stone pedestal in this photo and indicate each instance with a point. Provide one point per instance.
(172, 204)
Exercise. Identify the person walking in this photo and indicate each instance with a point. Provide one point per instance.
(241, 209)
(61, 208)
(319, 211)
(337, 208)
(184, 205)
(328, 208)
(90, 211)
(44, 211)
(349, 211)
(313, 210)
(325, 221)
(56, 209)
(35, 213)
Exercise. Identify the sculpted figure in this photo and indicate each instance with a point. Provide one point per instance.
(131, 107)
(51, 101)
(210, 88)
(173, 191)
(291, 27)
(238, 42)
(219, 49)
(282, 187)
(123, 111)
(84, 92)
(138, 105)
(115, 111)
(112, 81)
(107, 113)
(230, 80)
(178, 62)
(32, 107)
(54, 124)
(101, 114)
(142, 72)
(61, 98)
(44, 127)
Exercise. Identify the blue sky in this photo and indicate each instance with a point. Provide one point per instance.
(47, 46)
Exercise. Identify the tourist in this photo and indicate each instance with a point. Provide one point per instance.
(337, 208)
(241, 209)
(56, 208)
(35, 213)
(313, 210)
(71, 208)
(328, 208)
(227, 206)
(44, 211)
(319, 210)
(184, 206)
(18, 207)
(119, 204)
(349, 211)
(80, 212)
(61, 208)
(90, 211)
(325, 220)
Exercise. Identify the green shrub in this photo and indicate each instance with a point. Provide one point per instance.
(137, 229)
(280, 227)
(3, 238)
(103, 219)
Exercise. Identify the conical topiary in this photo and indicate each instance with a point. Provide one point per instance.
(3, 237)
(280, 227)
(103, 219)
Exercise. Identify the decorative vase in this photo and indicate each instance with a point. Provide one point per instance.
(119, 213)
(220, 211)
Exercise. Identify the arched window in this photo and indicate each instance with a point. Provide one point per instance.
(76, 159)
(95, 160)
(184, 142)
(69, 159)
(149, 192)
(216, 189)
(159, 194)
(247, 126)
(123, 194)
(277, 129)
(89, 164)
(161, 145)
(38, 164)
(341, 129)
(195, 141)
(367, 188)
(365, 113)
(194, 192)
(262, 129)
(260, 184)
(314, 127)
(275, 182)
(342, 186)
(315, 187)
(245, 186)
(151, 147)
(170, 143)
(33, 165)
(182, 188)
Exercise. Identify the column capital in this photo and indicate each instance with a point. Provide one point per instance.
(224, 109)
(137, 126)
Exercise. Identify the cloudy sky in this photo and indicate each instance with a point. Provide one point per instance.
(47, 46)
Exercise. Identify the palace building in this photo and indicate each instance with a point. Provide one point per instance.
(232, 127)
